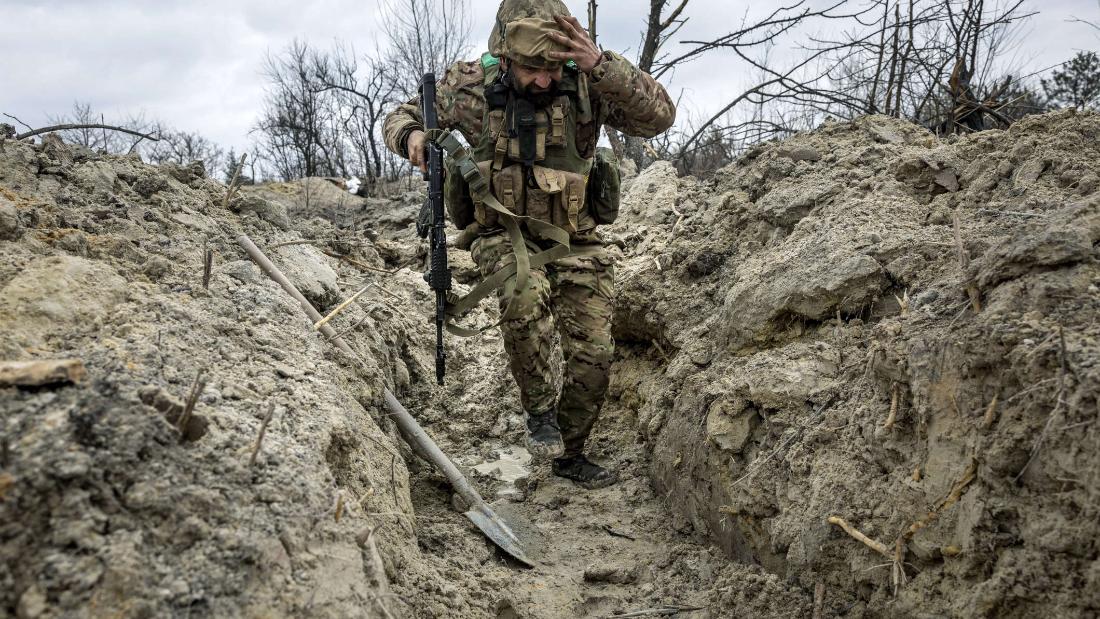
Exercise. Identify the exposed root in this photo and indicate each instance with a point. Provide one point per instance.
(875, 545)
(895, 395)
(990, 414)
(897, 554)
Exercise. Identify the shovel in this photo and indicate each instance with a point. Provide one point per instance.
(493, 526)
(479, 512)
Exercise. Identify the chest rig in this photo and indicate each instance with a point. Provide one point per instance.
(525, 175)
(529, 154)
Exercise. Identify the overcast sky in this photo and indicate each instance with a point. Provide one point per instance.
(196, 64)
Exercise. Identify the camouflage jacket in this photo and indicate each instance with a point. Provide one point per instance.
(622, 96)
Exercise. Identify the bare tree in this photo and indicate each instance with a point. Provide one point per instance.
(659, 29)
(934, 62)
(183, 147)
(299, 127)
(424, 36)
(87, 127)
(364, 89)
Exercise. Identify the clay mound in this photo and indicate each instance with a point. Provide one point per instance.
(870, 323)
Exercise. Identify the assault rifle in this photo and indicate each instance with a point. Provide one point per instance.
(432, 223)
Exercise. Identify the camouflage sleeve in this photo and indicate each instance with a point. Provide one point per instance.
(400, 123)
(636, 104)
(458, 104)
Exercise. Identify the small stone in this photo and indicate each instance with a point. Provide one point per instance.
(614, 574)
(10, 228)
(156, 267)
(32, 604)
(800, 153)
(241, 270)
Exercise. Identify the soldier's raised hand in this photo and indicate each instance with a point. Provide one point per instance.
(581, 48)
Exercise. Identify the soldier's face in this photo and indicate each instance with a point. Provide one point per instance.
(535, 80)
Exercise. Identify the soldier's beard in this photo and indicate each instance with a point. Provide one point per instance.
(538, 97)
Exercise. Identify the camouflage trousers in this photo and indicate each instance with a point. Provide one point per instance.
(573, 298)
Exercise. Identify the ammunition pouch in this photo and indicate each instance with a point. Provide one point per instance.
(545, 194)
(604, 187)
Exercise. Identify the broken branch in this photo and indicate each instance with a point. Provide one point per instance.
(339, 308)
(66, 127)
(192, 400)
(261, 433)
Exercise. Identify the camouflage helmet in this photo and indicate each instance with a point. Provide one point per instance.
(521, 32)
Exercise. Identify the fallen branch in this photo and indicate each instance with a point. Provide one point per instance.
(66, 127)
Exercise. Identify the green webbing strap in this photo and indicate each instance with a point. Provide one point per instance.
(524, 261)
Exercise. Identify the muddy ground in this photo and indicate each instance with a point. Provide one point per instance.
(804, 336)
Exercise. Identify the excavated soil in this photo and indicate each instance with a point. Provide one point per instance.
(770, 323)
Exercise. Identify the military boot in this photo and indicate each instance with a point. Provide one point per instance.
(585, 473)
(544, 436)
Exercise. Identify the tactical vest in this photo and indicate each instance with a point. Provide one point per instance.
(537, 174)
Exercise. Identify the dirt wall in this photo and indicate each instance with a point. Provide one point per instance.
(870, 323)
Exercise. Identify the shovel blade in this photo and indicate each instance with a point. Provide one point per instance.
(499, 532)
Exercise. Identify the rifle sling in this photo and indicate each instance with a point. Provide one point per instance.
(524, 261)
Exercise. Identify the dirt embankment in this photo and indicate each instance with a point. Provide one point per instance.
(808, 335)
(869, 323)
(105, 509)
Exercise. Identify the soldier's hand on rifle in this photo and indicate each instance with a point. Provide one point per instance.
(416, 146)
(581, 48)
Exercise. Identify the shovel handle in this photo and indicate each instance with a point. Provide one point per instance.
(426, 448)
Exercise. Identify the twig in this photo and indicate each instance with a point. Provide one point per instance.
(613, 533)
(192, 399)
(365, 267)
(19, 121)
(261, 433)
(339, 308)
(964, 263)
(232, 189)
(819, 601)
(207, 264)
(66, 127)
(663, 611)
(317, 241)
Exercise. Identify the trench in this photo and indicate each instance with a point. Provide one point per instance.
(600, 553)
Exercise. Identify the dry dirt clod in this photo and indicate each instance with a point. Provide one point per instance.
(40, 373)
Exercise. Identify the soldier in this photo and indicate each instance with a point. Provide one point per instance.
(532, 109)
